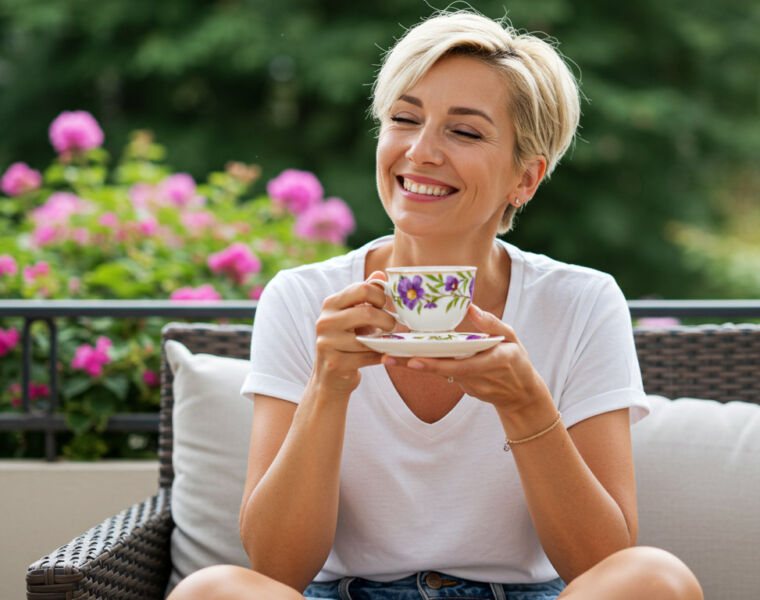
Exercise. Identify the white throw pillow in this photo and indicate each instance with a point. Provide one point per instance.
(212, 428)
(698, 485)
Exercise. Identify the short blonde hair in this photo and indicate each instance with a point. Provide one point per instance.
(543, 93)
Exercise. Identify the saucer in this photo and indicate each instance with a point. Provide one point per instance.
(454, 344)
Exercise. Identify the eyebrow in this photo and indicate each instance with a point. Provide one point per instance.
(454, 110)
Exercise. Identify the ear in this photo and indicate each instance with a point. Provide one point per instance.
(534, 172)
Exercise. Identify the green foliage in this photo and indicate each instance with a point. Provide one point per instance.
(671, 88)
(123, 243)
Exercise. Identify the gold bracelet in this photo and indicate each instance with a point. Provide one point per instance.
(508, 442)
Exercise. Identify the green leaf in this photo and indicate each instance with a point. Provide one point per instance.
(75, 385)
(79, 422)
(119, 385)
(450, 304)
(101, 402)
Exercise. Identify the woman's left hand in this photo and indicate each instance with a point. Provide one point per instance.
(502, 375)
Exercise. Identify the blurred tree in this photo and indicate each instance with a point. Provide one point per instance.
(671, 112)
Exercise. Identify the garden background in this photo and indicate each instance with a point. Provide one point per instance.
(662, 188)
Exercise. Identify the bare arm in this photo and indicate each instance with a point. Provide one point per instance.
(289, 510)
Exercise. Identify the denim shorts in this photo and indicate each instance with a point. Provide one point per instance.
(431, 585)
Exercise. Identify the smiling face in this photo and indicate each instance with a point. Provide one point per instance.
(445, 152)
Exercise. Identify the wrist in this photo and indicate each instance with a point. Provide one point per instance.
(527, 420)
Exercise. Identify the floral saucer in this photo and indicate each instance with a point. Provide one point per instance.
(453, 344)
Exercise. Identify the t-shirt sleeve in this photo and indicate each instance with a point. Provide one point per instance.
(604, 372)
(282, 343)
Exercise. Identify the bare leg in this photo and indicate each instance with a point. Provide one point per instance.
(230, 582)
(633, 574)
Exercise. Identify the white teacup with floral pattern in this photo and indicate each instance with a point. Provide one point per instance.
(429, 299)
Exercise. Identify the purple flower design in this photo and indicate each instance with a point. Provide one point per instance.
(474, 337)
(431, 305)
(452, 283)
(411, 291)
(472, 284)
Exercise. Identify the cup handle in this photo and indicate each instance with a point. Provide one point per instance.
(388, 290)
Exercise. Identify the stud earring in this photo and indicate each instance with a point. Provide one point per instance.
(517, 202)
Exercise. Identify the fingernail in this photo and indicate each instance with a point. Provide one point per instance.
(415, 364)
(389, 361)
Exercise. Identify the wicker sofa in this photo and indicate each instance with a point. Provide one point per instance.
(128, 555)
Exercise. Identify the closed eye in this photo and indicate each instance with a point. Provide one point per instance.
(468, 134)
(402, 120)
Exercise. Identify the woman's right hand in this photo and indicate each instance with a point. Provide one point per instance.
(356, 310)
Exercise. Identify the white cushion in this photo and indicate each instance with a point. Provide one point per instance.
(212, 428)
(698, 484)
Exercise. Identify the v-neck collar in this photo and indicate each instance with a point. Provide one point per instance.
(466, 403)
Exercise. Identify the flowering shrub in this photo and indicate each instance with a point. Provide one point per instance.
(80, 229)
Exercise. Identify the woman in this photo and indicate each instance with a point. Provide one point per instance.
(372, 476)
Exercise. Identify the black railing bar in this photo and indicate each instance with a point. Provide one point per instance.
(694, 308)
(50, 449)
(26, 362)
(127, 308)
(246, 308)
(145, 422)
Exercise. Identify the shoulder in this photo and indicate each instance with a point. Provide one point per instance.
(543, 272)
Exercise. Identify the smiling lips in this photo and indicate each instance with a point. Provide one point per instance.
(422, 188)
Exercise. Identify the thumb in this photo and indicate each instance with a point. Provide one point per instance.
(491, 324)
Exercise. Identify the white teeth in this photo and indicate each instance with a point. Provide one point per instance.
(428, 190)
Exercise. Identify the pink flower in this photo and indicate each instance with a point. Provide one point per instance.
(81, 235)
(20, 178)
(91, 359)
(329, 221)
(150, 378)
(75, 131)
(39, 269)
(8, 340)
(109, 219)
(179, 189)
(142, 195)
(147, 226)
(658, 322)
(58, 208)
(14, 390)
(255, 292)
(296, 190)
(204, 292)
(237, 261)
(44, 234)
(8, 265)
(195, 222)
(38, 390)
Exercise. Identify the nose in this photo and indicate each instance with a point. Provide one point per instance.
(425, 148)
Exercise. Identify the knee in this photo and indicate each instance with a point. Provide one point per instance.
(664, 574)
(231, 582)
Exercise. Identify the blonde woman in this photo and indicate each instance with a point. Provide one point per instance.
(373, 477)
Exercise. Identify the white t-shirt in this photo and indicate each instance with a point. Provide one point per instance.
(445, 496)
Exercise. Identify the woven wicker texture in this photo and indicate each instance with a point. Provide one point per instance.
(717, 362)
(125, 557)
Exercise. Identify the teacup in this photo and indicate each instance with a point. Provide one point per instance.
(429, 299)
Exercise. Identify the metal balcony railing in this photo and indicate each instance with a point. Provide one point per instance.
(48, 311)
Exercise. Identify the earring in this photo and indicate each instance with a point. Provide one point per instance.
(517, 202)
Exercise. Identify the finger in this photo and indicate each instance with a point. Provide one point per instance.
(491, 324)
(348, 321)
(479, 363)
(356, 293)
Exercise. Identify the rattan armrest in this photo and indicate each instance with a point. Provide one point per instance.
(126, 556)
